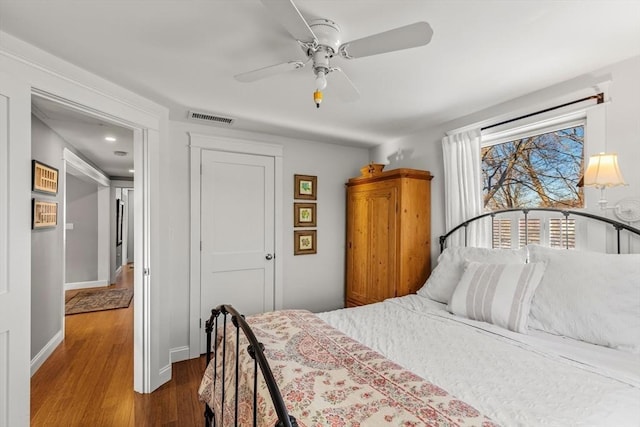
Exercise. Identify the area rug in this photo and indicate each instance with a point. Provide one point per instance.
(98, 300)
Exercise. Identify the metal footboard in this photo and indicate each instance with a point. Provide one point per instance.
(255, 349)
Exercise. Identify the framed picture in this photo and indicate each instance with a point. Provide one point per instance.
(304, 242)
(119, 218)
(44, 214)
(305, 187)
(45, 178)
(304, 214)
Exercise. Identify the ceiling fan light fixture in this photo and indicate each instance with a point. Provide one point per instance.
(321, 80)
(317, 98)
(320, 40)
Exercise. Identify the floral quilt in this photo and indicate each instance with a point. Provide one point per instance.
(327, 379)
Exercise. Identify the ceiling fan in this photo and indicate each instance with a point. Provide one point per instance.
(320, 41)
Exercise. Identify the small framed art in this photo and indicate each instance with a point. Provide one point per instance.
(304, 214)
(45, 178)
(304, 242)
(44, 214)
(305, 187)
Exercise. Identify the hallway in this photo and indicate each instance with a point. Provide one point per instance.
(88, 380)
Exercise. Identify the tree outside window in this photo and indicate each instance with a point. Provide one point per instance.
(535, 171)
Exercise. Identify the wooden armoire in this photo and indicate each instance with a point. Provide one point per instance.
(388, 234)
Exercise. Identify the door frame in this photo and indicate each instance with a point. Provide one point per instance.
(15, 251)
(197, 143)
(47, 75)
(146, 375)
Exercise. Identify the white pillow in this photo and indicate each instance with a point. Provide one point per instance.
(590, 296)
(497, 293)
(451, 264)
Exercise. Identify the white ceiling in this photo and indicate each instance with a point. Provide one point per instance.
(184, 54)
(87, 134)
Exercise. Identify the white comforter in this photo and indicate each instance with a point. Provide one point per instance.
(515, 379)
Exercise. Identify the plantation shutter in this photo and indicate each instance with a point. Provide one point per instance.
(502, 233)
(529, 231)
(562, 234)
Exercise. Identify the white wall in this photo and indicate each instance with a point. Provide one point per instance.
(81, 256)
(314, 282)
(623, 127)
(423, 150)
(317, 282)
(47, 281)
(47, 247)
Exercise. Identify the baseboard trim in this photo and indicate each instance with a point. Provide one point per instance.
(165, 374)
(46, 351)
(89, 284)
(178, 354)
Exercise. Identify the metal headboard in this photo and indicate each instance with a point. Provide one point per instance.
(617, 225)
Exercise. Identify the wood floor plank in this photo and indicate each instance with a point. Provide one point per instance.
(88, 380)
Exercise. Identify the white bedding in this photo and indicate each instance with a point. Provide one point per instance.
(515, 379)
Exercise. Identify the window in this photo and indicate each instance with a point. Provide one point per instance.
(540, 170)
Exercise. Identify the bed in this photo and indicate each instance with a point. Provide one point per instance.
(526, 337)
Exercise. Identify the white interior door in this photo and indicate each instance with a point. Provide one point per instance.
(237, 233)
(15, 251)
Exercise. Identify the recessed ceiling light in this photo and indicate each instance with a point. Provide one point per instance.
(131, 171)
(110, 138)
(120, 153)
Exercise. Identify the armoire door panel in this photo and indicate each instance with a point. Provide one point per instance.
(415, 242)
(382, 243)
(357, 247)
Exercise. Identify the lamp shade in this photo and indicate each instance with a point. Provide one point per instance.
(603, 171)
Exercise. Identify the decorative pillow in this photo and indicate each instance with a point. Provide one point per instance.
(590, 296)
(497, 293)
(451, 264)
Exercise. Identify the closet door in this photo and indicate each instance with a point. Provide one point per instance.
(237, 233)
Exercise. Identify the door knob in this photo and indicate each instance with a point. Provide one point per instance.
(269, 257)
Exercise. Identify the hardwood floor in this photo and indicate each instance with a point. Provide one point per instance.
(88, 380)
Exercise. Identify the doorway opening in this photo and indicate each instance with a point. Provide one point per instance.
(143, 144)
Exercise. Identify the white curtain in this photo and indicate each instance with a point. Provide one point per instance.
(463, 187)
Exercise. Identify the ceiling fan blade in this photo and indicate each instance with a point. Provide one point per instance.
(344, 87)
(271, 70)
(261, 73)
(406, 37)
(291, 19)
